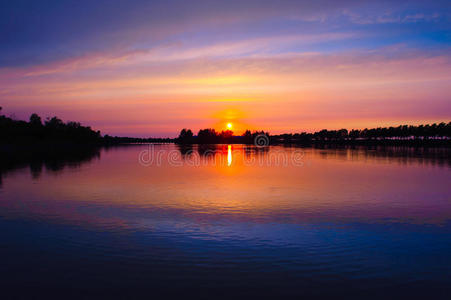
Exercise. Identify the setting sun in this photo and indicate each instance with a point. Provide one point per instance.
(229, 125)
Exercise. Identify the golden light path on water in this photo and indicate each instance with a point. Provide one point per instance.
(229, 155)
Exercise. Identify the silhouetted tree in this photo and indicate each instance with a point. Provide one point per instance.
(226, 136)
(35, 120)
(54, 123)
(185, 136)
(247, 137)
(207, 136)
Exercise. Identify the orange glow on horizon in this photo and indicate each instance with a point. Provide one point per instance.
(261, 97)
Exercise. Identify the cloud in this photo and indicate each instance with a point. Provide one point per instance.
(240, 77)
(178, 52)
(36, 33)
(391, 17)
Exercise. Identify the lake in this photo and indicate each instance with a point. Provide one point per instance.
(238, 221)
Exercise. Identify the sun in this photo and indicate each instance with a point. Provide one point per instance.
(229, 125)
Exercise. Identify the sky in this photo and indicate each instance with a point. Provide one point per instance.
(149, 68)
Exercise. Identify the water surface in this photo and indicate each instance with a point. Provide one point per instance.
(229, 220)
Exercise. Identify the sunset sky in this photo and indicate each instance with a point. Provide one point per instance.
(150, 68)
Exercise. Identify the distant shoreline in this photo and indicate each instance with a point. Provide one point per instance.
(54, 133)
(274, 141)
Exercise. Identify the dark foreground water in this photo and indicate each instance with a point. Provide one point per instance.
(231, 221)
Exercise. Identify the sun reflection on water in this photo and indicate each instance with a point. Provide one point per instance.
(229, 155)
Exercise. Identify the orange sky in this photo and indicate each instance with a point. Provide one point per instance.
(350, 66)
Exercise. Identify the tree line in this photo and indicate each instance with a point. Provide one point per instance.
(51, 129)
(54, 129)
(211, 136)
(440, 132)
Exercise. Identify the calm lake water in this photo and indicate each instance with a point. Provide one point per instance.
(140, 221)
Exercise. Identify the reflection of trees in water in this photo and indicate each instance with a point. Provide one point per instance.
(185, 149)
(254, 150)
(54, 158)
(202, 153)
(440, 156)
(208, 153)
(36, 169)
(188, 150)
(207, 150)
(217, 154)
